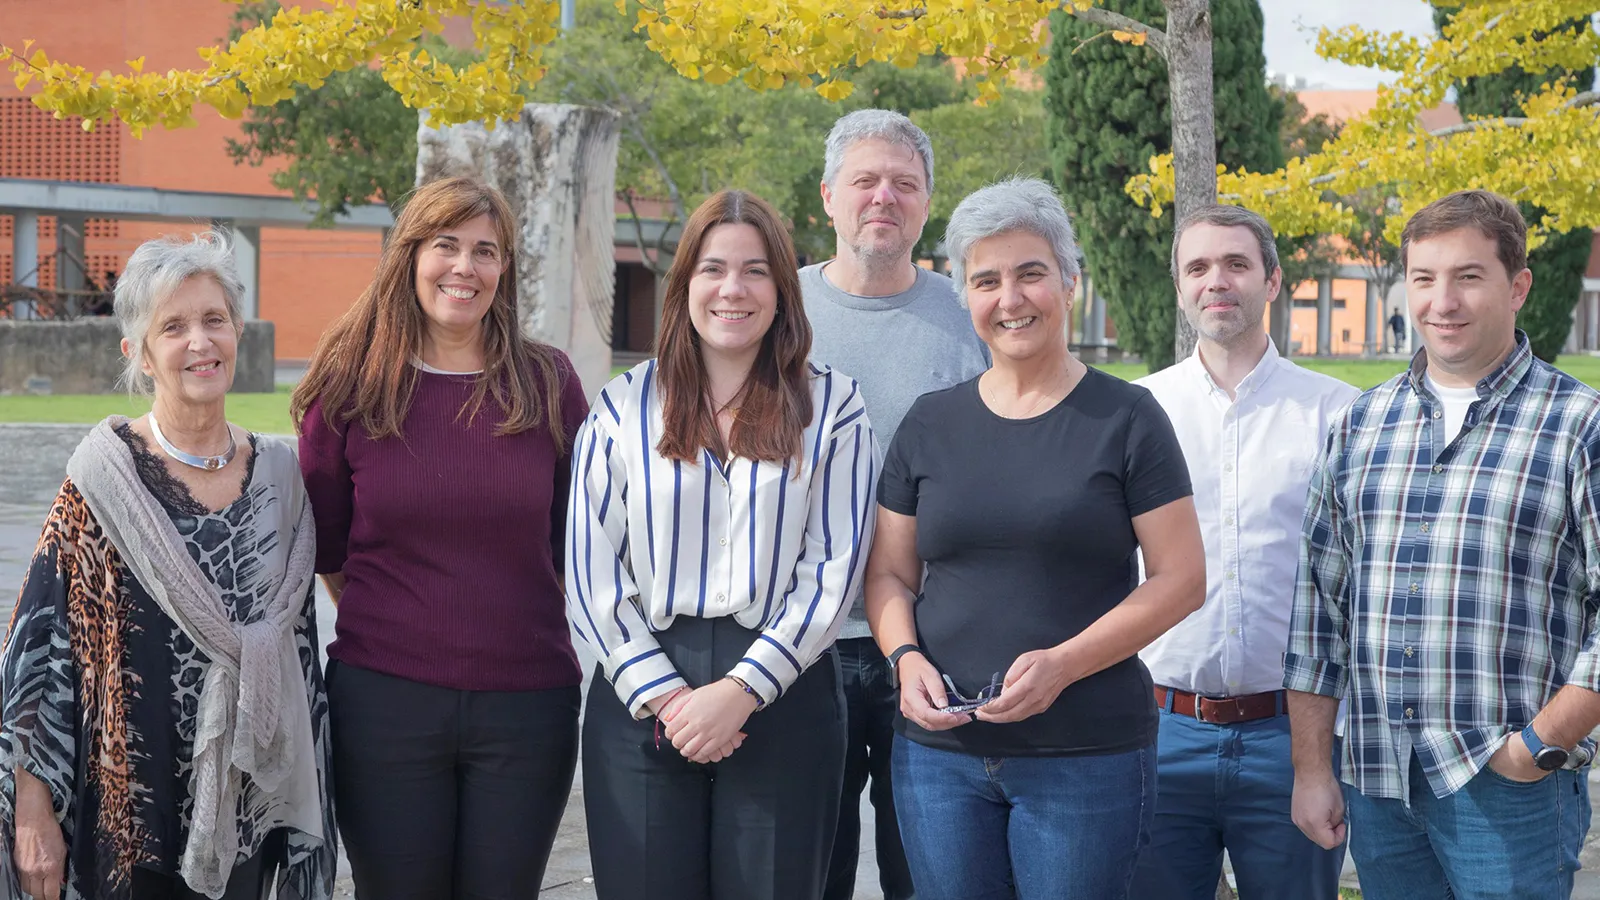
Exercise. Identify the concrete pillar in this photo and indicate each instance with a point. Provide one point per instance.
(557, 167)
(1592, 321)
(246, 241)
(1325, 316)
(1372, 345)
(70, 257)
(25, 248)
(1279, 313)
(1096, 327)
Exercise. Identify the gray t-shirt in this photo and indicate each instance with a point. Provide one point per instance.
(897, 348)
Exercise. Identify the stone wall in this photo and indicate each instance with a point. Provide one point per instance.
(83, 357)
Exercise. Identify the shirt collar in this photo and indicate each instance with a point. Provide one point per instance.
(1494, 385)
(1250, 383)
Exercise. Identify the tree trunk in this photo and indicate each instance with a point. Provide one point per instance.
(1194, 129)
(557, 167)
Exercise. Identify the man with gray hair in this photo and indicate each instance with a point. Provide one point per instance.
(877, 186)
(1252, 425)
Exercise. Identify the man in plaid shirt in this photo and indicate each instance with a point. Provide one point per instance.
(1448, 587)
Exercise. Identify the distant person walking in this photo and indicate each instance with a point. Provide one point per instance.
(1397, 324)
(435, 441)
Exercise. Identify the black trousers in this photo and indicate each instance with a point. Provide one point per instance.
(870, 706)
(446, 794)
(757, 826)
(250, 880)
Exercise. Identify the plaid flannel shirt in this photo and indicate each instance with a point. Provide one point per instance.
(1447, 584)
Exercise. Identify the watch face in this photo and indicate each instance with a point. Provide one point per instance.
(1550, 758)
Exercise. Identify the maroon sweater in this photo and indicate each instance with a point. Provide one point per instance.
(450, 541)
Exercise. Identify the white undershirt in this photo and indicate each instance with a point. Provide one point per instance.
(1456, 401)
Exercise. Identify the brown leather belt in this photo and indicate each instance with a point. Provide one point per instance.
(1223, 710)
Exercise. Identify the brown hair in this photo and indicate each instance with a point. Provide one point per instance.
(775, 402)
(362, 368)
(1495, 217)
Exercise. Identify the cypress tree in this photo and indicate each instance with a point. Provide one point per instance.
(1109, 112)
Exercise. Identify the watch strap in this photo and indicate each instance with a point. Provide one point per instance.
(894, 662)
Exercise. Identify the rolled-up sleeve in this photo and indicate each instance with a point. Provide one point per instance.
(1585, 501)
(1318, 654)
(839, 527)
(602, 597)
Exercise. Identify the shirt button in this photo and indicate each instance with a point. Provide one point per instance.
(722, 596)
(1230, 576)
(1233, 631)
(1227, 467)
(1438, 414)
(722, 541)
(1415, 587)
(1411, 713)
(1437, 469)
(1228, 521)
(1408, 651)
(1423, 527)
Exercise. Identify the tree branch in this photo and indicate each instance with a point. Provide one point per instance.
(1105, 18)
(1587, 98)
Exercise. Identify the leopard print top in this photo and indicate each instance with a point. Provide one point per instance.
(101, 691)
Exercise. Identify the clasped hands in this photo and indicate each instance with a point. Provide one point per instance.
(705, 723)
(1032, 684)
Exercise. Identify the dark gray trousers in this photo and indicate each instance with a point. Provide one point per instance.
(757, 826)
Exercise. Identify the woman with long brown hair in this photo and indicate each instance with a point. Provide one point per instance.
(435, 442)
(719, 521)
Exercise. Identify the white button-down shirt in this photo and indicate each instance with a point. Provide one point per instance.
(1250, 460)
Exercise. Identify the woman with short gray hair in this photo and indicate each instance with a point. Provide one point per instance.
(1004, 587)
(163, 723)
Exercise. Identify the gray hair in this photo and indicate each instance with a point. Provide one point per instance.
(883, 124)
(154, 272)
(1016, 204)
(1228, 217)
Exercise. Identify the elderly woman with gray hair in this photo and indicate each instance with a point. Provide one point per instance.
(163, 724)
(1004, 587)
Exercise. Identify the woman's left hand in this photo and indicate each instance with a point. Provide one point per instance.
(1033, 683)
(710, 721)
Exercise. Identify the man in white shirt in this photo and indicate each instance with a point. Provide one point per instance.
(1252, 425)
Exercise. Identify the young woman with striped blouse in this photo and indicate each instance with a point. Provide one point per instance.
(720, 518)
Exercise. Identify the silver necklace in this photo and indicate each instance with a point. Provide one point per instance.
(209, 463)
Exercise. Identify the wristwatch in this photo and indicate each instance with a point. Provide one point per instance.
(894, 662)
(1546, 757)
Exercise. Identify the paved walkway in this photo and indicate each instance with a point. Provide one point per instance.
(32, 460)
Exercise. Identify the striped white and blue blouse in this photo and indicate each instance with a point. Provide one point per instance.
(781, 547)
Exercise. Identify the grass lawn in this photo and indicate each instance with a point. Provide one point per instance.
(266, 413)
(269, 413)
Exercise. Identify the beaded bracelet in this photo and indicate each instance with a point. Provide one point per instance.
(748, 690)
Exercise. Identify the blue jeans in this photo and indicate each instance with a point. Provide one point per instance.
(1026, 827)
(1494, 838)
(1229, 786)
(870, 705)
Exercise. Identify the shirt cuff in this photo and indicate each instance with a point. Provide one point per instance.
(1310, 675)
(640, 672)
(769, 667)
(1586, 671)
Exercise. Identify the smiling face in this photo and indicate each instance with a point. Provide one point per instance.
(1223, 285)
(1015, 292)
(1464, 304)
(458, 270)
(732, 295)
(192, 344)
(879, 200)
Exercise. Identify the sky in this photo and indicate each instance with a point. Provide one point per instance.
(1291, 35)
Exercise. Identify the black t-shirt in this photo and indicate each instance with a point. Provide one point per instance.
(1025, 526)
